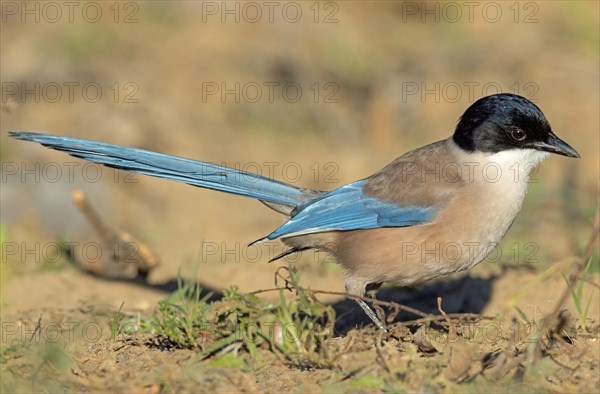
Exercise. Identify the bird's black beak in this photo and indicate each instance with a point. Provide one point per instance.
(555, 145)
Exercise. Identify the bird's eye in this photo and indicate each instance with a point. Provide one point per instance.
(517, 134)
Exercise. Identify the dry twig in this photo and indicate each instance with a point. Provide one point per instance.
(551, 320)
(126, 248)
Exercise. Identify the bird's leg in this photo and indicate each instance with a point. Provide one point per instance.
(357, 288)
(371, 291)
(371, 314)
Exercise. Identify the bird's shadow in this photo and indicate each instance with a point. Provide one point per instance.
(464, 294)
(459, 295)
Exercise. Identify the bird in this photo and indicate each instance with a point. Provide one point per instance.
(433, 211)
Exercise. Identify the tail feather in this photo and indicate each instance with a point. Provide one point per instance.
(196, 173)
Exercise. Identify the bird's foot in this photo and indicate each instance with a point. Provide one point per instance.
(371, 314)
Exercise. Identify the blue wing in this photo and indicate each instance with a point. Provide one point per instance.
(348, 208)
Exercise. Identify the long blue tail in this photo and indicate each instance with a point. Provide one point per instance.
(196, 173)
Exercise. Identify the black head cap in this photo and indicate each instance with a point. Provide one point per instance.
(507, 121)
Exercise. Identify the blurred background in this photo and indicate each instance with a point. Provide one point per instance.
(313, 93)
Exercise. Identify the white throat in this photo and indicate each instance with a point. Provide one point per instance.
(502, 186)
(518, 162)
(509, 166)
(530, 158)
